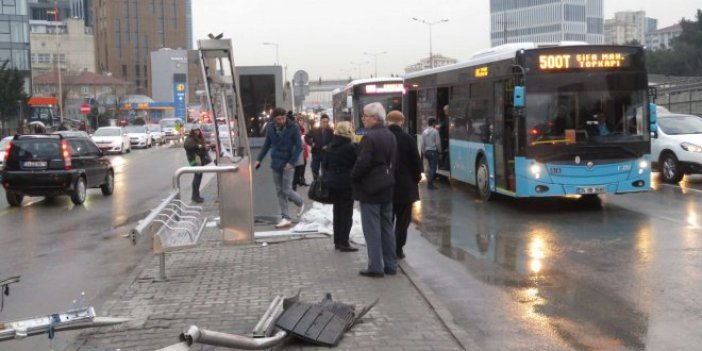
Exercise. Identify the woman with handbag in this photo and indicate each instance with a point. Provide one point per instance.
(336, 175)
(195, 150)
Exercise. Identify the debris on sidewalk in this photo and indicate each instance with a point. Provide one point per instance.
(323, 323)
(319, 219)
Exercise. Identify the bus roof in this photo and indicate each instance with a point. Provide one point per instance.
(367, 81)
(497, 53)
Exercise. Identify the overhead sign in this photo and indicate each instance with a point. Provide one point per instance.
(481, 72)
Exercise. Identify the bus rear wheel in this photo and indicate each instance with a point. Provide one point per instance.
(482, 180)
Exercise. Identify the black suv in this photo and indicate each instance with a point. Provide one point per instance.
(54, 164)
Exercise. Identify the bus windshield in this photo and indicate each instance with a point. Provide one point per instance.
(586, 109)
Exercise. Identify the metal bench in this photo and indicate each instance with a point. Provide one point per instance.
(174, 225)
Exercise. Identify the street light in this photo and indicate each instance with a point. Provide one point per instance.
(431, 52)
(277, 62)
(375, 58)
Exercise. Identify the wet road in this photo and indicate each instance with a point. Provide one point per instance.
(61, 250)
(566, 275)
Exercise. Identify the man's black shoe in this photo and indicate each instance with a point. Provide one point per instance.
(347, 248)
(367, 273)
(400, 255)
(390, 271)
(198, 200)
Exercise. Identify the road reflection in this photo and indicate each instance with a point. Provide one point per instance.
(562, 259)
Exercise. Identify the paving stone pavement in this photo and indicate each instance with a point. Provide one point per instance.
(227, 288)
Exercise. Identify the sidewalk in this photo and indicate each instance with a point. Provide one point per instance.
(228, 288)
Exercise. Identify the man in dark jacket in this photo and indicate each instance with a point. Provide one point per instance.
(376, 158)
(285, 142)
(318, 138)
(408, 173)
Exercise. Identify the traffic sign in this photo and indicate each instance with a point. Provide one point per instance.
(84, 109)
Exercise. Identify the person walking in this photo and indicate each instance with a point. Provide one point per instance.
(408, 172)
(284, 140)
(336, 175)
(431, 144)
(373, 185)
(299, 179)
(194, 146)
(318, 139)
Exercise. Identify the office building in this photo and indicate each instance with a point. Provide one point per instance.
(45, 10)
(126, 32)
(546, 21)
(628, 26)
(14, 39)
(67, 43)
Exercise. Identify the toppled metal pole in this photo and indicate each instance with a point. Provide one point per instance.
(71, 320)
(213, 338)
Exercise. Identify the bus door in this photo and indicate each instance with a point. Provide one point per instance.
(443, 95)
(499, 138)
(410, 112)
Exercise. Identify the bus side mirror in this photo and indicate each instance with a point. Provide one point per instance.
(518, 96)
(653, 117)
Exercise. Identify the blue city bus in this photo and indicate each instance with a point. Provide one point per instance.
(530, 120)
(348, 101)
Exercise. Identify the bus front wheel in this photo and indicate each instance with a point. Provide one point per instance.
(482, 180)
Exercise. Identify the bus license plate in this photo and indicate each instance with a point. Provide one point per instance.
(35, 164)
(591, 190)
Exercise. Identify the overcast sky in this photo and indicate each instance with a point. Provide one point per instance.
(323, 37)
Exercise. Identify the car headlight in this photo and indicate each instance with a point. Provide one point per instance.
(691, 147)
(643, 164)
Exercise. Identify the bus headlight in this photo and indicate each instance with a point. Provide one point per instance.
(535, 170)
(643, 165)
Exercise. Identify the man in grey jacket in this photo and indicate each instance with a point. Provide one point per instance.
(431, 146)
(377, 154)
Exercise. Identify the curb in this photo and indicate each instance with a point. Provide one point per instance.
(461, 337)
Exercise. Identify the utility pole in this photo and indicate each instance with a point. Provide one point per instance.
(57, 56)
(375, 58)
(431, 51)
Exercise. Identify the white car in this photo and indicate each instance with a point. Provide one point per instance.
(157, 134)
(139, 136)
(112, 139)
(677, 147)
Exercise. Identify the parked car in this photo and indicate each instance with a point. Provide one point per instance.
(112, 139)
(157, 134)
(51, 165)
(3, 145)
(677, 148)
(139, 136)
(72, 133)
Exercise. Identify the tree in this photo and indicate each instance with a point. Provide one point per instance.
(684, 57)
(12, 93)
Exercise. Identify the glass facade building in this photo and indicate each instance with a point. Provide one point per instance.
(14, 38)
(539, 21)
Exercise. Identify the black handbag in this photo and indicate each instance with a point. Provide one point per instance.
(380, 178)
(319, 192)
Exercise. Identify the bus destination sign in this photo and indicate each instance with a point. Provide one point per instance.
(559, 62)
(384, 88)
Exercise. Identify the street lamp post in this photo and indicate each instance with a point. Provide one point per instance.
(375, 59)
(431, 52)
(277, 62)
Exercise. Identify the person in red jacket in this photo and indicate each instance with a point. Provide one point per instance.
(299, 178)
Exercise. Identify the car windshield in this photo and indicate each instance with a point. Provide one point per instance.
(680, 124)
(107, 132)
(135, 129)
(155, 128)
